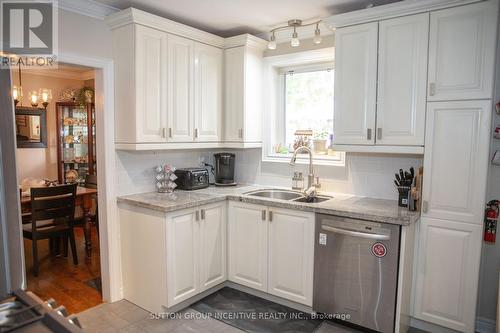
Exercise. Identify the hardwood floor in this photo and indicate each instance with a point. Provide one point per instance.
(61, 280)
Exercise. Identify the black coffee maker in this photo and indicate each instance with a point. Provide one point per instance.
(224, 169)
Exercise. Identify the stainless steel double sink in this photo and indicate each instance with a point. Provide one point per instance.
(288, 195)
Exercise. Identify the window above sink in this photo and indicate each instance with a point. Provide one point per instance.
(299, 94)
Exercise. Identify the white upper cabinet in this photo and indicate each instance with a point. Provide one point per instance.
(461, 52)
(291, 235)
(207, 93)
(180, 89)
(447, 273)
(355, 84)
(234, 97)
(402, 77)
(140, 84)
(456, 160)
(247, 245)
(243, 102)
(151, 83)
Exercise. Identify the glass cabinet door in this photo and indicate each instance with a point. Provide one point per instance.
(76, 147)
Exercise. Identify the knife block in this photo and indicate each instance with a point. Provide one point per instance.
(403, 195)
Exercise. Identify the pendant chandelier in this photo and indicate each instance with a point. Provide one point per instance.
(42, 95)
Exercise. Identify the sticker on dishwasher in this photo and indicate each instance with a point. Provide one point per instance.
(322, 239)
(379, 250)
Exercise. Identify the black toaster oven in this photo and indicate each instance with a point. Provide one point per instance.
(191, 178)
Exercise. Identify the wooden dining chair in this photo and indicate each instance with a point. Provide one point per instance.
(25, 215)
(90, 182)
(52, 216)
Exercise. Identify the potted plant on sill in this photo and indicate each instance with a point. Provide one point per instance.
(319, 142)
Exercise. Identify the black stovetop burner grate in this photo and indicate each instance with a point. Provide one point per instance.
(14, 315)
(25, 312)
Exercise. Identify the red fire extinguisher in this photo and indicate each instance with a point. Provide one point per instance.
(490, 221)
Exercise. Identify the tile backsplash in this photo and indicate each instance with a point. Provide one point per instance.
(364, 174)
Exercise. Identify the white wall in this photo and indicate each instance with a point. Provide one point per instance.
(41, 163)
(364, 174)
(135, 170)
(84, 35)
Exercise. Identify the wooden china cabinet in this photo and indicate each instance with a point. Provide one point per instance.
(75, 141)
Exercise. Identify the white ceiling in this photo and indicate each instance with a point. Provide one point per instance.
(232, 17)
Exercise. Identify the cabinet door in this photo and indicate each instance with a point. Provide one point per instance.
(402, 80)
(208, 93)
(355, 84)
(291, 255)
(182, 256)
(447, 273)
(247, 245)
(461, 52)
(180, 92)
(456, 159)
(234, 94)
(150, 62)
(252, 114)
(212, 245)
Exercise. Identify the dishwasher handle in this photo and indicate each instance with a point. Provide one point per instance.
(355, 233)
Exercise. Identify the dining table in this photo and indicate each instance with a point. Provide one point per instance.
(84, 197)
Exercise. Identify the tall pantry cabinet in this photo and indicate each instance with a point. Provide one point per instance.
(458, 128)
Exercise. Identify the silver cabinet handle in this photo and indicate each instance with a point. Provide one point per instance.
(270, 216)
(264, 215)
(202, 214)
(197, 215)
(432, 89)
(196, 133)
(355, 233)
(424, 206)
(170, 132)
(164, 132)
(240, 133)
(369, 134)
(379, 133)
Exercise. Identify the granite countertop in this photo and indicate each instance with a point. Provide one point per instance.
(378, 210)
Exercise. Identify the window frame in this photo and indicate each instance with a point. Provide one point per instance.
(274, 112)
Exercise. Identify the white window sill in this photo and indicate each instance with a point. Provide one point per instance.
(338, 161)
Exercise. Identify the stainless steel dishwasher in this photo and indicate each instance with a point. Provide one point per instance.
(356, 271)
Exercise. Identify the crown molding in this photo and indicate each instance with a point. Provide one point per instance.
(245, 40)
(391, 10)
(87, 7)
(61, 74)
(136, 16)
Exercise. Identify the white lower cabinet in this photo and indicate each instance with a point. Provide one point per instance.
(213, 233)
(196, 251)
(169, 258)
(447, 273)
(182, 256)
(247, 245)
(272, 250)
(291, 255)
